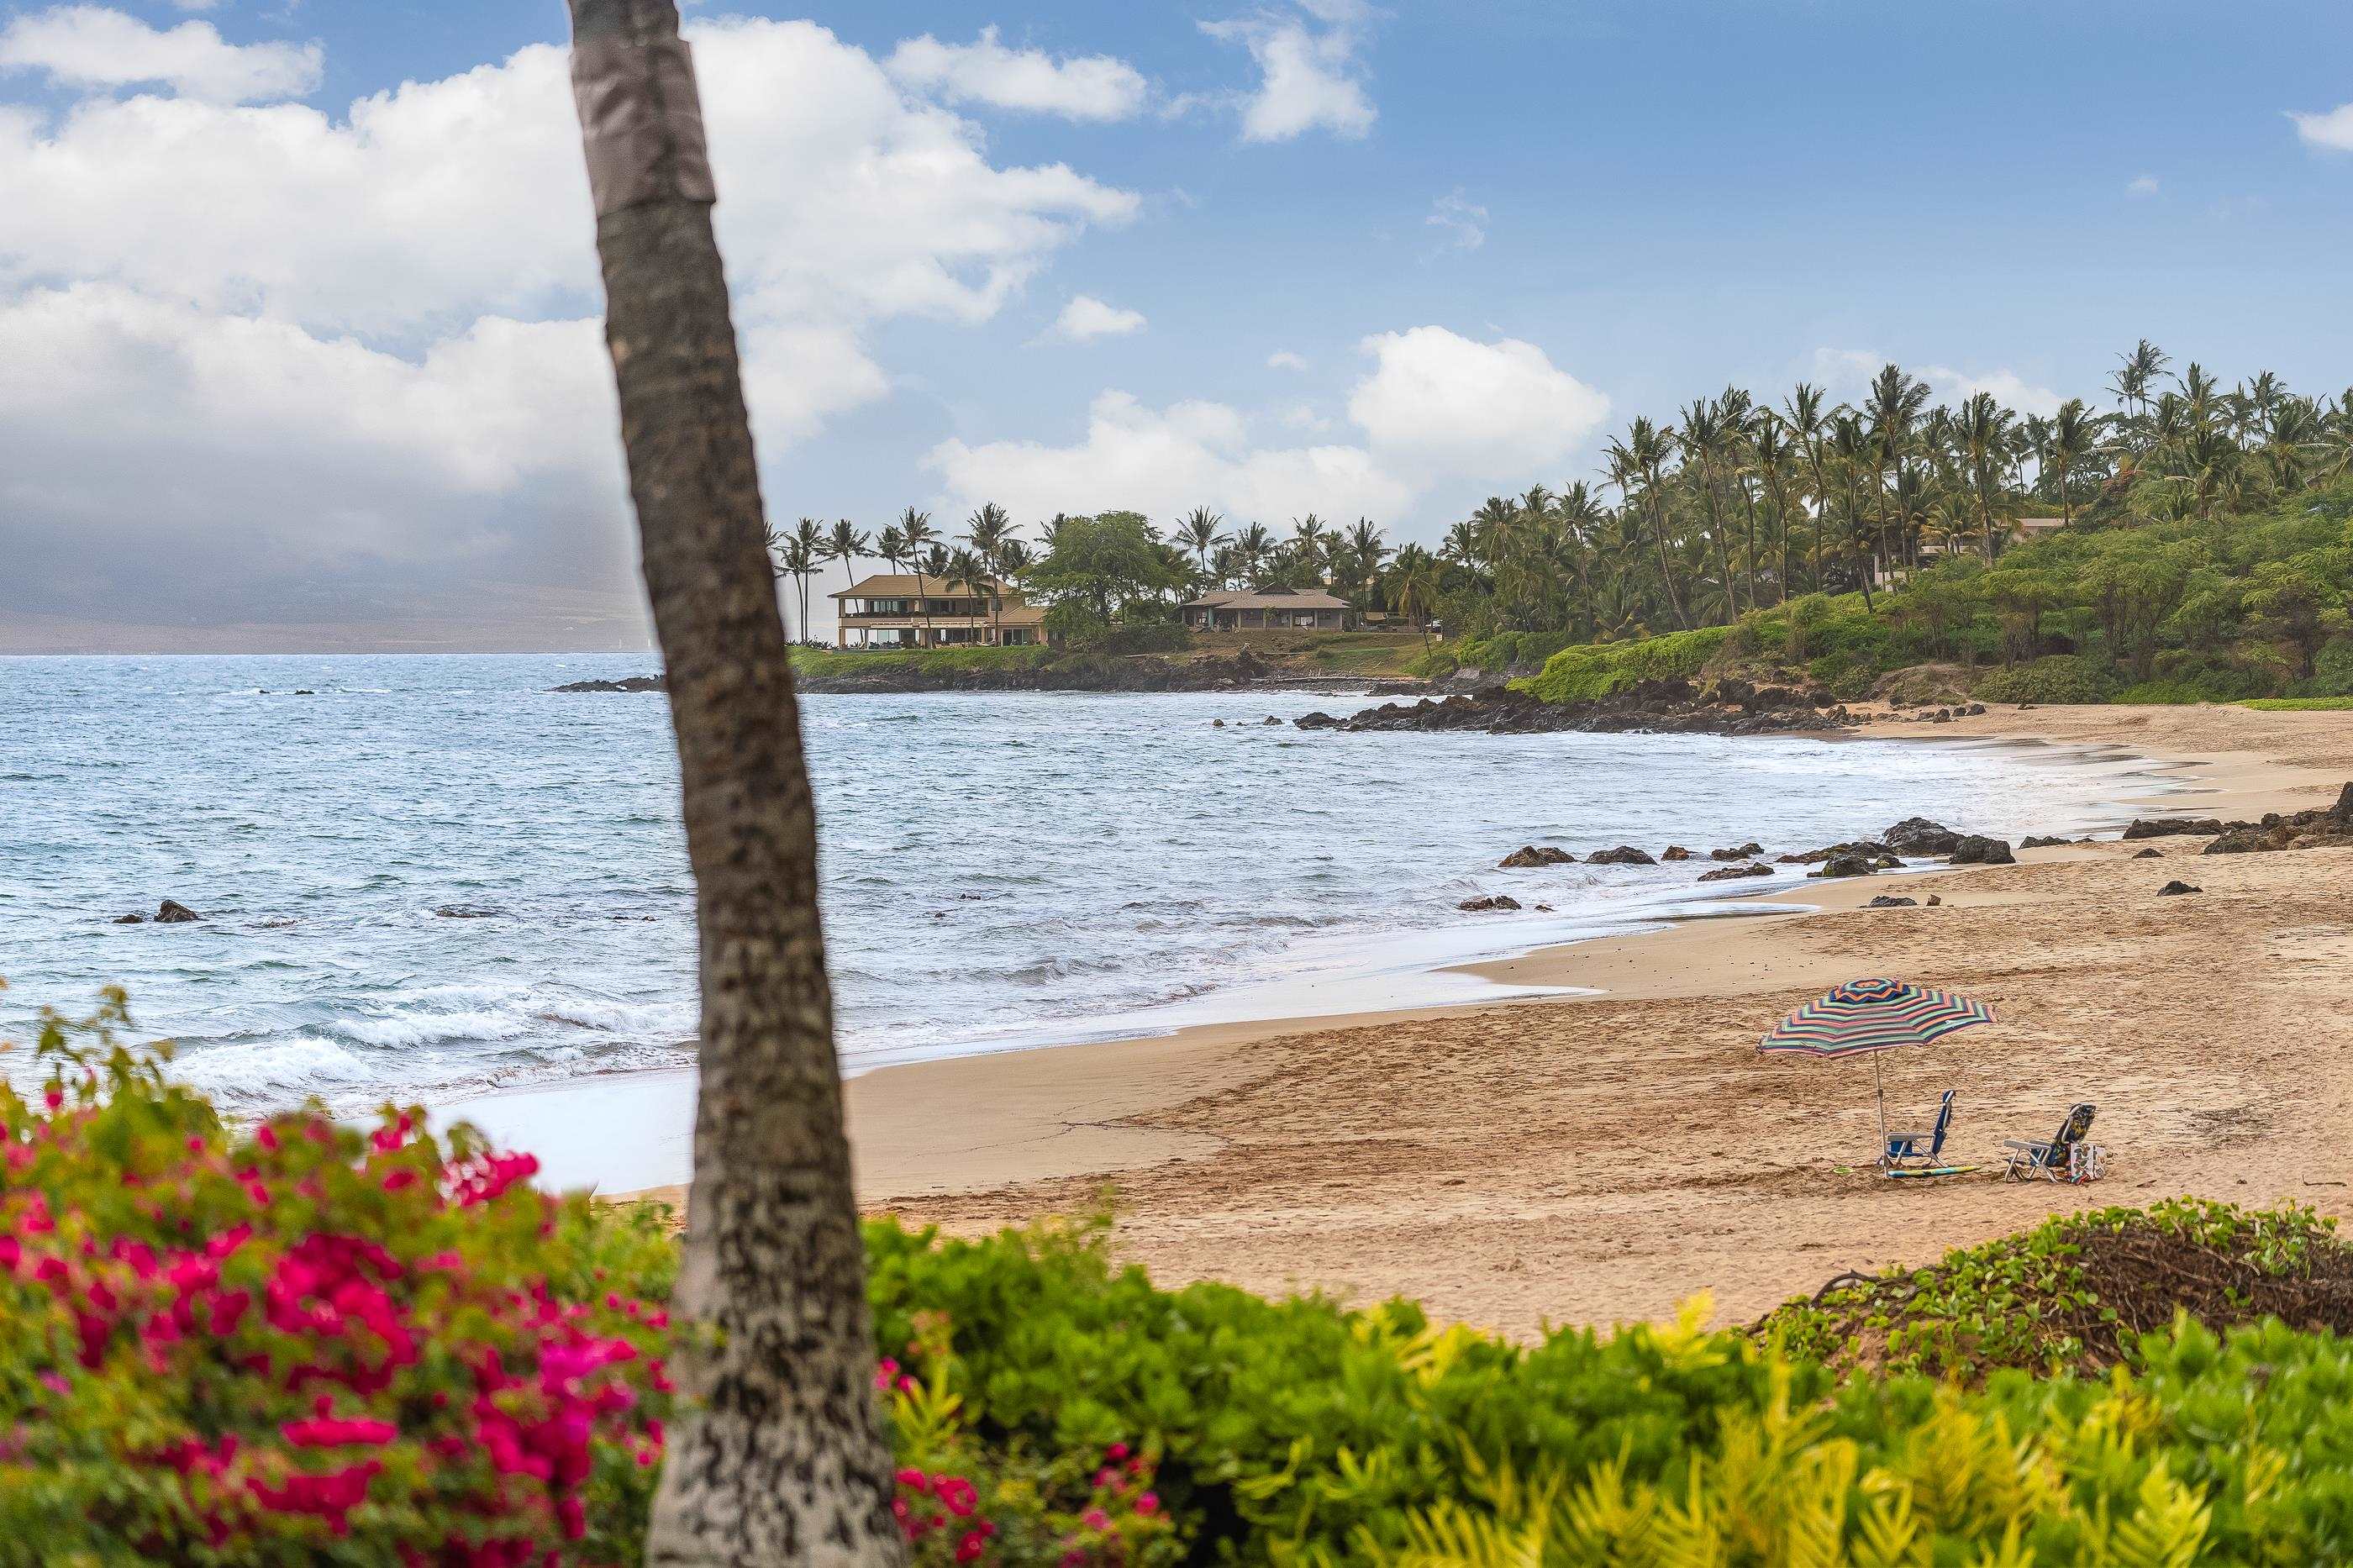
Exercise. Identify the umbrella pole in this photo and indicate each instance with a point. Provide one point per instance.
(1879, 1073)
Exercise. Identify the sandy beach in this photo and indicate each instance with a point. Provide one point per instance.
(1598, 1158)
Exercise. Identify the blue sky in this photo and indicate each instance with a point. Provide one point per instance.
(1481, 235)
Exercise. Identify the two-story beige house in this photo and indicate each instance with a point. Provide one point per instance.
(904, 611)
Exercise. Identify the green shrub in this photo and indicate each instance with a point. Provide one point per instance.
(2060, 677)
(1591, 670)
(295, 1343)
(2300, 704)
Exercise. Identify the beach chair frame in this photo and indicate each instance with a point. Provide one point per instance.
(2067, 1157)
(1912, 1151)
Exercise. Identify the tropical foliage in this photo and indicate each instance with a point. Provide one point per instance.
(293, 1343)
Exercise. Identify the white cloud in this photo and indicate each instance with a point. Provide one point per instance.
(374, 278)
(1086, 318)
(1499, 410)
(2332, 130)
(1085, 87)
(92, 46)
(1436, 407)
(2142, 185)
(1845, 373)
(195, 5)
(1162, 461)
(1283, 359)
(1309, 77)
(1464, 221)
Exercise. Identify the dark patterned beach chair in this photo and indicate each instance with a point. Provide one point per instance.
(1907, 1151)
(2066, 1158)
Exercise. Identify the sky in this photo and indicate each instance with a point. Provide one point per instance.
(299, 339)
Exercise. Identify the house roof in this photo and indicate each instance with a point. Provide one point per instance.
(903, 585)
(1270, 599)
(2038, 524)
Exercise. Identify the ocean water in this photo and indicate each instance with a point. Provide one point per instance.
(431, 876)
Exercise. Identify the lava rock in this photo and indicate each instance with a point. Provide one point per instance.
(1746, 851)
(1529, 855)
(1270, 719)
(1934, 902)
(1492, 901)
(468, 913)
(1890, 901)
(632, 683)
(2175, 889)
(1918, 835)
(2149, 855)
(1727, 873)
(2039, 841)
(171, 913)
(133, 920)
(2182, 827)
(1865, 847)
(1846, 866)
(1624, 855)
(1674, 852)
(1974, 850)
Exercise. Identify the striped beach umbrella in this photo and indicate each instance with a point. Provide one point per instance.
(1868, 1016)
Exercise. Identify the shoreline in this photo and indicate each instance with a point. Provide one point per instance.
(1597, 1157)
(628, 1134)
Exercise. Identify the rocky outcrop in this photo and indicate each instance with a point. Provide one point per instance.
(1528, 856)
(1890, 901)
(1868, 849)
(1918, 835)
(2324, 828)
(2180, 826)
(631, 683)
(1744, 852)
(1728, 873)
(2175, 889)
(1664, 707)
(1975, 850)
(171, 913)
(1493, 901)
(2039, 841)
(2149, 855)
(1674, 852)
(1624, 855)
(1847, 866)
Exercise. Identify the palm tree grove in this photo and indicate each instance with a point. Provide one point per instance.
(2188, 544)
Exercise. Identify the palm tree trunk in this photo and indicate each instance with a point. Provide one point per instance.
(781, 1458)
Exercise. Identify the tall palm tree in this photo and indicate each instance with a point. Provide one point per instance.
(1256, 548)
(847, 544)
(918, 536)
(1981, 431)
(1851, 445)
(1893, 406)
(776, 1457)
(2074, 433)
(2135, 373)
(1414, 588)
(967, 568)
(1804, 416)
(1307, 537)
(1201, 531)
(891, 548)
(1642, 458)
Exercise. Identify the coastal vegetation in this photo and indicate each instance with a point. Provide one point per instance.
(294, 1342)
(2194, 547)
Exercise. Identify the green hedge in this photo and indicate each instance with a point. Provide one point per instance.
(1591, 670)
(2061, 677)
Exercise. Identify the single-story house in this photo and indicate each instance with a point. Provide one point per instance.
(1267, 609)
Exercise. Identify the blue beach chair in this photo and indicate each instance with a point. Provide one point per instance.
(2056, 1161)
(1909, 1150)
